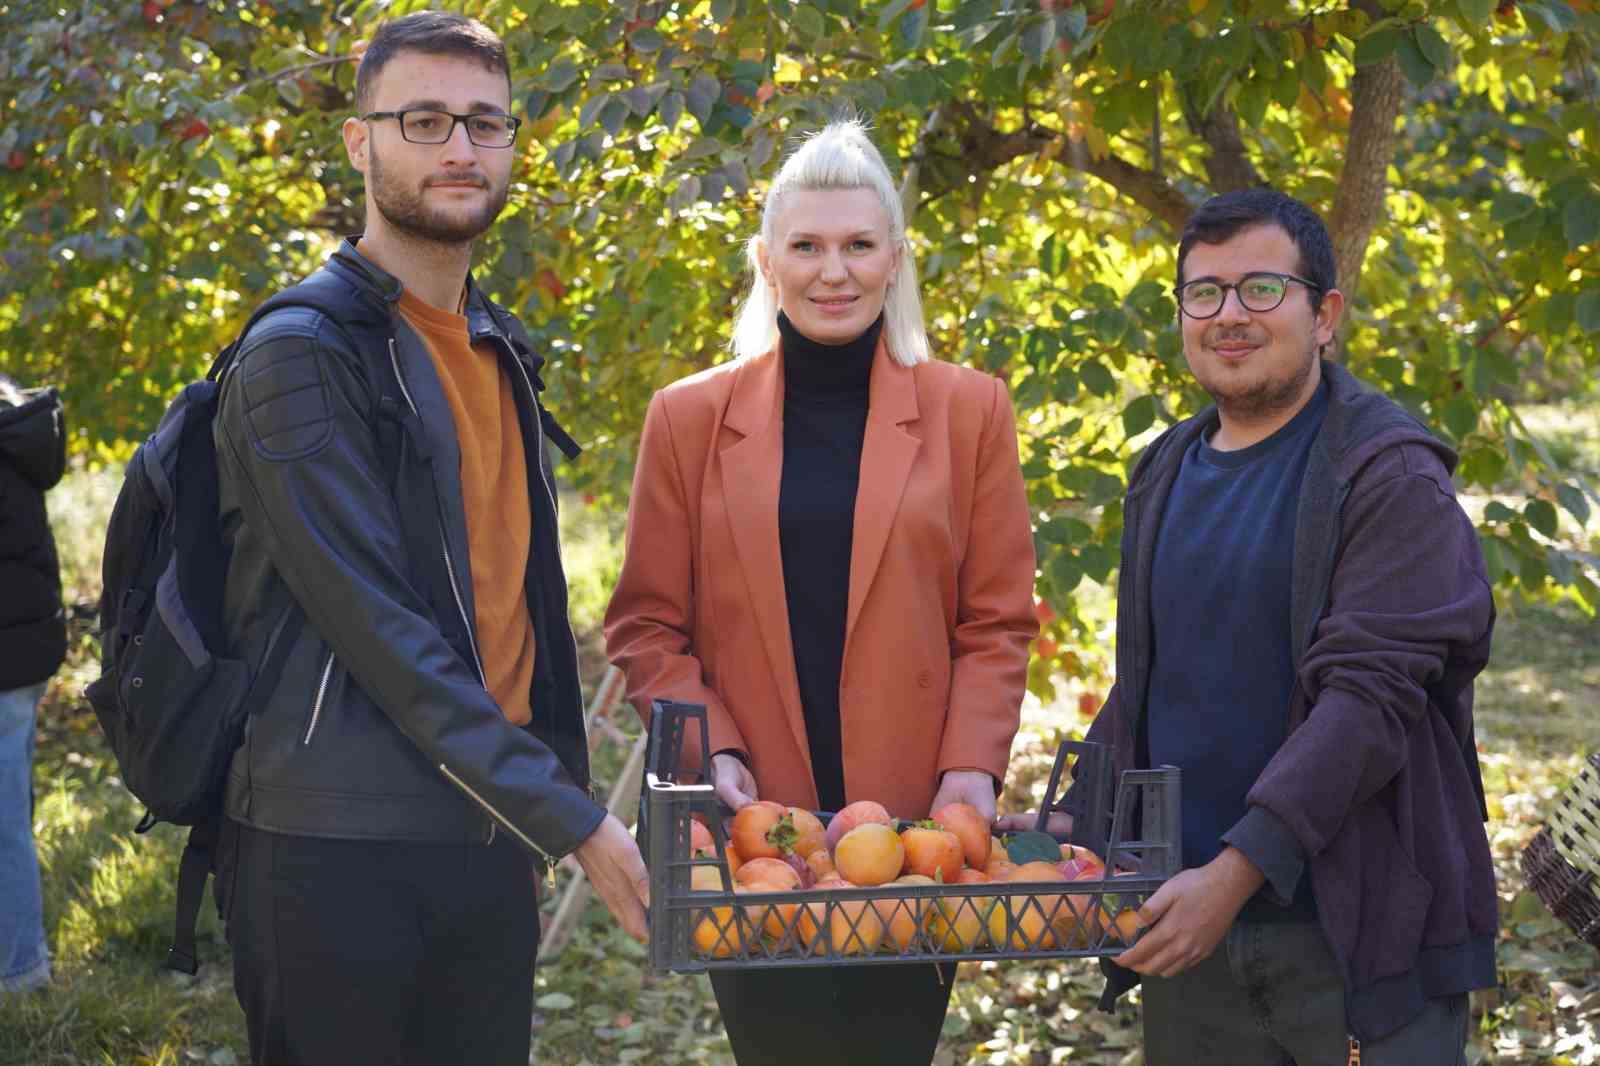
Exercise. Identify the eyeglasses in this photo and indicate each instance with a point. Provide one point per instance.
(422, 126)
(1259, 291)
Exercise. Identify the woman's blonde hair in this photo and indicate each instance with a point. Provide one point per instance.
(839, 156)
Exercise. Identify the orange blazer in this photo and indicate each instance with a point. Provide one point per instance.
(940, 606)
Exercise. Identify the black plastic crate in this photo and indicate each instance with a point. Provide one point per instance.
(692, 931)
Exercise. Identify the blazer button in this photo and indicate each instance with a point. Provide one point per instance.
(925, 679)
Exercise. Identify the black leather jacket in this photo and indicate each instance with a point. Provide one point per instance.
(341, 496)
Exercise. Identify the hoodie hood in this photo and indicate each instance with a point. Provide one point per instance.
(33, 437)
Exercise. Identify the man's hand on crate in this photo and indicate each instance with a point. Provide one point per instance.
(1187, 917)
(1057, 825)
(610, 858)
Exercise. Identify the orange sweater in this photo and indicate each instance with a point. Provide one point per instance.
(494, 489)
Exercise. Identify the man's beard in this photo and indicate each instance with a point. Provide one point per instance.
(404, 209)
(1261, 399)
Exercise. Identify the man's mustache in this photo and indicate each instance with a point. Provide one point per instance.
(457, 179)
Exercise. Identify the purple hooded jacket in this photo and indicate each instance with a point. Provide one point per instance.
(1375, 793)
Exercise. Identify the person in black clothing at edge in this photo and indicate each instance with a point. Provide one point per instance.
(421, 759)
(828, 546)
(1301, 611)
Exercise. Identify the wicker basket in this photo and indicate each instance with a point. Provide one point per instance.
(1562, 863)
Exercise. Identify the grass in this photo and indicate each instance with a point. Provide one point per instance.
(109, 894)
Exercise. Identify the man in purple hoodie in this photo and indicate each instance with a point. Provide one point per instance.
(1301, 611)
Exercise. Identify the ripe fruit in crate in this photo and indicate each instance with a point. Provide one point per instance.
(854, 925)
(700, 841)
(769, 875)
(751, 826)
(1029, 926)
(861, 812)
(1079, 863)
(821, 864)
(1124, 927)
(902, 921)
(720, 933)
(932, 851)
(955, 923)
(798, 831)
(1079, 923)
(971, 828)
(869, 854)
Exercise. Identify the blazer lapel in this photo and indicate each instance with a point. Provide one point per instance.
(752, 471)
(887, 455)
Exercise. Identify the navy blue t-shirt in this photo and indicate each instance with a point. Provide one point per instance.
(1223, 666)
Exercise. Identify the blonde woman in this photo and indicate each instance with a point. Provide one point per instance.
(828, 546)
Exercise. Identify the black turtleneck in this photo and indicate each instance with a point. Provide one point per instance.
(825, 390)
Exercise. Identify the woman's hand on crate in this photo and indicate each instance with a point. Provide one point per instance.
(734, 783)
(972, 787)
(1057, 825)
(1188, 916)
(610, 859)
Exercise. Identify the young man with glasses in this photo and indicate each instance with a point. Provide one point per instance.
(1301, 612)
(421, 757)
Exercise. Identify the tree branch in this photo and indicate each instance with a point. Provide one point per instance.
(1228, 164)
(983, 148)
(1375, 95)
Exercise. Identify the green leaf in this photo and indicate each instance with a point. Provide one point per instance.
(1037, 37)
(1096, 378)
(559, 76)
(1588, 310)
(1432, 45)
(671, 109)
(891, 12)
(808, 22)
(1377, 46)
(1541, 515)
(646, 39)
(554, 1001)
(1139, 415)
(591, 109)
(1580, 219)
(1555, 14)
(913, 26)
(1572, 498)
(1032, 846)
(1498, 512)
(1419, 71)
(1460, 415)
(1511, 205)
(702, 96)
(1052, 257)
(1475, 12)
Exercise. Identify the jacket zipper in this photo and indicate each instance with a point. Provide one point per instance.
(444, 537)
(455, 589)
(502, 819)
(316, 707)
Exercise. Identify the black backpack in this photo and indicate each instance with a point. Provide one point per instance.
(171, 698)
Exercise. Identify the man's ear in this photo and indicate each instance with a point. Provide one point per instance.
(1329, 313)
(356, 134)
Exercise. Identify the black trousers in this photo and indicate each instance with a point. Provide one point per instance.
(381, 952)
(883, 1015)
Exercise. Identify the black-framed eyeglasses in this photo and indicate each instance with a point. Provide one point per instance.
(1259, 291)
(419, 125)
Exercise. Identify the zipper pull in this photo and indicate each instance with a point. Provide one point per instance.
(1355, 1053)
(492, 827)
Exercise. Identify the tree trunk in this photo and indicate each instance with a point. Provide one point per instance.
(1375, 95)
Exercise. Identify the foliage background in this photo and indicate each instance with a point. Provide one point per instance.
(164, 165)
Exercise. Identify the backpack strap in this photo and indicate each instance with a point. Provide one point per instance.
(547, 421)
(199, 852)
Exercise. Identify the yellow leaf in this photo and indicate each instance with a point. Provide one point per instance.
(1197, 6)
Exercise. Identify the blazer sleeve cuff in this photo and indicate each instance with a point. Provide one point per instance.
(1264, 839)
